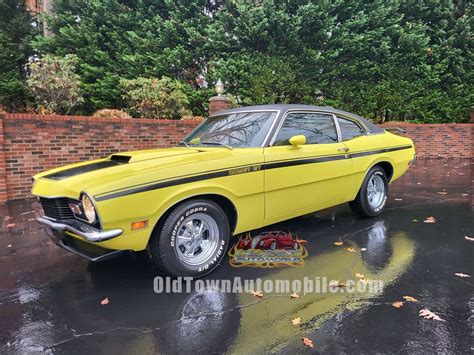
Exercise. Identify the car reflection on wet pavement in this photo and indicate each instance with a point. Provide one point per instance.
(50, 300)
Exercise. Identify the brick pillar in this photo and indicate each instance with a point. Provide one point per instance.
(219, 103)
(3, 165)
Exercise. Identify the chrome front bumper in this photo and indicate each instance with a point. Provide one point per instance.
(56, 231)
(81, 229)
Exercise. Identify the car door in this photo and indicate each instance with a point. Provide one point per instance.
(308, 177)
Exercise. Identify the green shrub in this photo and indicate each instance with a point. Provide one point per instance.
(156, 98)
(54, 84)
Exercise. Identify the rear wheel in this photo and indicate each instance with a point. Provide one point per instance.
(192, 240)
(372, 196)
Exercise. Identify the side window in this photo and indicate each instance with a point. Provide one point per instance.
(318, 128)
(349, 129)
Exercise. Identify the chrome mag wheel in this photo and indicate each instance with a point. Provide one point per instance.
(197, 239)
(376, 191)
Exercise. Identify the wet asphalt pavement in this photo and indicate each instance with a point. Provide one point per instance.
(50, 300)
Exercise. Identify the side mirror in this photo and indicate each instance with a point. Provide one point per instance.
(296, 141)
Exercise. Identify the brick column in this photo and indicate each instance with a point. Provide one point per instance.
(219, 103)
(3, 165)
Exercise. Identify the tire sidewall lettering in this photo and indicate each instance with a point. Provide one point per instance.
(180, 220)
(215, 258)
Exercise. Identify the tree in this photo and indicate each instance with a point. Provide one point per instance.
(386, 60)
(54, 84)
(17, 28)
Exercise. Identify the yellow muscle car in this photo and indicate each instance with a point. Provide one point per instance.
(239, 170)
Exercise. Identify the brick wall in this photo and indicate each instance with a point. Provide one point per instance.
(33, 143)
(450, 141)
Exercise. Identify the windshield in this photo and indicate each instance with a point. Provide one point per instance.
(238, 130)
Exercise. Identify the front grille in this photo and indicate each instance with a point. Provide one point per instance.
(57, 208)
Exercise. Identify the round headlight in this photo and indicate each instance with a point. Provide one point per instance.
(88, 208)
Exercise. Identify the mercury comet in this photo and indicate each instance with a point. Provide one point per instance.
(239, 170)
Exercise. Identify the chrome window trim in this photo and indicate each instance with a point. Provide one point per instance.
(338, 129)
(275, 134)
(223, 113)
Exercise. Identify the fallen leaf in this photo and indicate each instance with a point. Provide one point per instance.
(360, 276)
(410, 299)
(105, 301)
(308, 342)
(351, 250)
(398, 304)
(399, 199)
(430, 220)
(10, 225)
(460, 274)
(336, 283)
(257, 294)
(9, 246)
(363, 249)
(296, 321)
(338, 243)
(8, 344)
(469, 238)
(464, 195)
(294, 295)
(442, 193)
(427, 314)
(414, 220)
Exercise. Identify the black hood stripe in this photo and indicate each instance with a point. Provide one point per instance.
(64, 174)
(237, 170)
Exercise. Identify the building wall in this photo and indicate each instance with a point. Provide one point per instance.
(33, 143)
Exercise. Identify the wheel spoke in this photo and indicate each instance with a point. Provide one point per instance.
(183, 240)
(189, 227)
(201, 229)
(190, 250)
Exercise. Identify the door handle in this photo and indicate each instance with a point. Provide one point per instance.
(343, 149)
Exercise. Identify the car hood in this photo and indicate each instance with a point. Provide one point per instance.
(125, 169)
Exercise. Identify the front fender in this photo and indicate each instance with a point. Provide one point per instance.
(151, 206)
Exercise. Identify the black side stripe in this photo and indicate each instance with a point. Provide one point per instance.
(286, 163)
(163, 184)
(239, 170)
(379, 151)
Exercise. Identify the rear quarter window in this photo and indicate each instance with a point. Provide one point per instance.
(349, 129)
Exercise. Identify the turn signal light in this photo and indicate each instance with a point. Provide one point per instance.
(139, 225)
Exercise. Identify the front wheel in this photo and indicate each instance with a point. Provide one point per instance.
(192, 240)
(372, 196)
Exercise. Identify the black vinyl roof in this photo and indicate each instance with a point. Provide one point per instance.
(286, 107)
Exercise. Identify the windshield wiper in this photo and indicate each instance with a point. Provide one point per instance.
(219, 144)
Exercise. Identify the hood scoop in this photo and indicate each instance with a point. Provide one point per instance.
(120, 159)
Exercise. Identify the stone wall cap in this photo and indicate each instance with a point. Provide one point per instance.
(220, 98)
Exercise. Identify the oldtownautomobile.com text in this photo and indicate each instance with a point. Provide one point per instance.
(239, 285)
